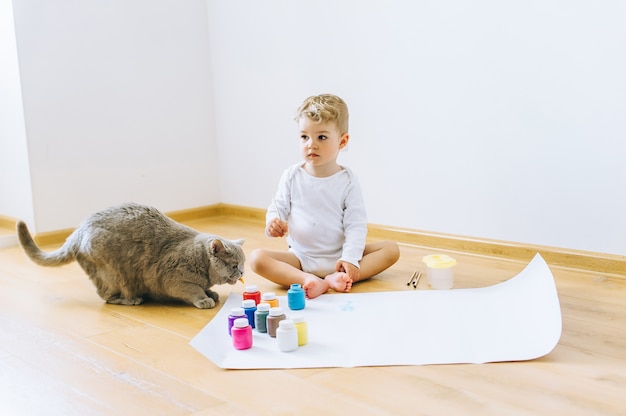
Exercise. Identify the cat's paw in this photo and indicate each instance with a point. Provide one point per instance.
(213, 295)
(206, 303)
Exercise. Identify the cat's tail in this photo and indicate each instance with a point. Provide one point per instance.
(59, 257)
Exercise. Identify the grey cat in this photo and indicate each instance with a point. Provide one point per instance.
(133, 251)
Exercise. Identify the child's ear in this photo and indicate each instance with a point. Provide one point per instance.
(344, 140)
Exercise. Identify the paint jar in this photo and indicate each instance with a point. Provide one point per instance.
(260, 317)
(295, 297)
(235, 313)
(275, 316)
(287, 336)
(242, 334)
(302, 328)
(249, 307)
(252, 292)
(439, 271)
(270, 297)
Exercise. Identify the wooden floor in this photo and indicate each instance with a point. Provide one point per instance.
(64, 352)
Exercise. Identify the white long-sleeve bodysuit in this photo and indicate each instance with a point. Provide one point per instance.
(326, 216)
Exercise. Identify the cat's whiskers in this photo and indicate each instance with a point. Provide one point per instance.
(280, 217)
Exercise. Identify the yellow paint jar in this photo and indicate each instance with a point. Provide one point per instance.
(439, 270)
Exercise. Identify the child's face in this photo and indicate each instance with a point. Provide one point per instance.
(320, 143)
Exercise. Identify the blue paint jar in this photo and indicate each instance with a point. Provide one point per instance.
(295, 297)
(249, 307)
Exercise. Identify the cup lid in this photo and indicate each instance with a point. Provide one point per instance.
(241, 322)
(439, 261)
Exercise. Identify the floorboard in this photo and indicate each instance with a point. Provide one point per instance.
(63, 351)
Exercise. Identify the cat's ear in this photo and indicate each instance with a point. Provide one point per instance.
(238, 242)
(216, 246)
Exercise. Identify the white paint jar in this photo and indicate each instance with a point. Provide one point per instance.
(287, 336)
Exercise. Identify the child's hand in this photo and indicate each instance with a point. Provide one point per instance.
(350, 269)
(277, 228)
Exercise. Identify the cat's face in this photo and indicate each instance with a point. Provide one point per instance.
(227, 259)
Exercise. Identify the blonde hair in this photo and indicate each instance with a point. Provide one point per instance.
(325, 108)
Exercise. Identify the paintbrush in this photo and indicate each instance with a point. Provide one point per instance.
(277, 210)
(412, 277)
(417, 280)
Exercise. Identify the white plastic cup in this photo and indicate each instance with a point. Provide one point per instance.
(440, 271)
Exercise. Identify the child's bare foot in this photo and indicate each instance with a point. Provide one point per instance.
(339, 282)
(314, 286)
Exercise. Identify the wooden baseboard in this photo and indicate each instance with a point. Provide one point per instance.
(196, 213)
(577, 259)
(226, 210)
(49, 238)
(253, 214)
(247, 213)
(7, 222)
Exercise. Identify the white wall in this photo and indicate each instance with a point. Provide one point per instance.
(15, 190)
(487, 119)
(117, 100)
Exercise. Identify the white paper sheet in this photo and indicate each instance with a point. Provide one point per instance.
(519, 319)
